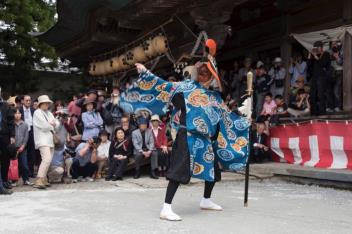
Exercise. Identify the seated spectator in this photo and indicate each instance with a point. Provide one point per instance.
(299, 105)
(259, 149)
(127, 127)
(119, 152)
(144, 148)
(299, 85)
(92, 121)
(84, 163)
(103, 152)
(269, 106)
(281, 110)
(160, 140)
(61, 161)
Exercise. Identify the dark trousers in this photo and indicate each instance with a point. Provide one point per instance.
(33, 155)
(338, 80)
(23, 165)
(139, 157)
(4, 158)
(259, 156)
(1, 185)
(117, 167)
(162, 158)
(85, 171)
(320, 94)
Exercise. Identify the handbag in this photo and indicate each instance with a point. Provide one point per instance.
(13, 170)
(56, 138)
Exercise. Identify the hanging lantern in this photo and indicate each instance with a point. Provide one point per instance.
(91, 70)
(115, 64)
(139, 54)
(123, 63)
(99, 68)
(148, 48)
(160, 44)
(108, 66)
(130, 60)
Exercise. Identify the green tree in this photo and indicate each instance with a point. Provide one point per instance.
(19, 49)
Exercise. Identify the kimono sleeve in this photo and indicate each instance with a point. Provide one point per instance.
(149, 93)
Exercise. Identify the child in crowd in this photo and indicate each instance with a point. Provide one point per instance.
(281, 110)
(269, 106)
(21, 129)
(103, 152)
(299, 105)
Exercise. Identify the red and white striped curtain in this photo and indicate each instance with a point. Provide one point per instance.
(314, 144)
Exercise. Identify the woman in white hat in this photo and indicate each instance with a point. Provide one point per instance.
(44, 126)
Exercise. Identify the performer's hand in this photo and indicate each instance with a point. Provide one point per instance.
(140, 67)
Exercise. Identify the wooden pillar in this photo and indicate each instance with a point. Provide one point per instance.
(347, 58)
(347, 72)
(286, 54)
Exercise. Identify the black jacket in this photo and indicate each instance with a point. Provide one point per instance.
(7, 125)
(117, 148)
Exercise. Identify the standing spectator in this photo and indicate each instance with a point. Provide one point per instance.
(7, 136)
(35, 104)
(103, 152)
(84, 164)
(320, 63)
(21, 129)
(234, 77)
(100, 101)
(243, 76)
(269, 106)
(262, 85)
(278, 74)
(119, 152)
(299, 105)
(143, 143)
(90, 96)
(160, 142)
(259, 149)
(44, 126)
(112, 112)
(336, 53)
(92, 121)
(27, 113)
(58, 106)
(297, 68)
(73, 109)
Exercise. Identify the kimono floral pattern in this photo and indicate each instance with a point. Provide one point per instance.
(206, 115)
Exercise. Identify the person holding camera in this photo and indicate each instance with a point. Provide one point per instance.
(84, 163)
(112, 113)
(278, 74)
(320, 64)
(336, 53)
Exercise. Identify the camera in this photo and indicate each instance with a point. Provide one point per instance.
(96, 140)
(69, 152)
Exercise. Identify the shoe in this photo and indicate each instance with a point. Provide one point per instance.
(27, 182)
(153, 176)
(74, 181)
(81, 179)
(46, 183)
(5, 192)
(108, 178)
(337, 109)
(167, 213)
(89, 179)
(39, 184)
(137, 175)
(98, 176)
(13, 184)
(329, 110)
(7, 185)
(207, 204)
(114, 178)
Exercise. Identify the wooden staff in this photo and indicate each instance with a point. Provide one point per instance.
(249, 95)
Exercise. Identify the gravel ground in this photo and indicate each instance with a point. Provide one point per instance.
(133, 206)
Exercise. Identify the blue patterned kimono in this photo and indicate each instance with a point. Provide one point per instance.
(206, 116)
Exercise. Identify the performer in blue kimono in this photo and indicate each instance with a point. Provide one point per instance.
(208, 133)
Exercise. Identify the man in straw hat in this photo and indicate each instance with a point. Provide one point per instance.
(44, 128)
(207, 132)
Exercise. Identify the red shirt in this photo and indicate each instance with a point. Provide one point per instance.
(160, 139)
